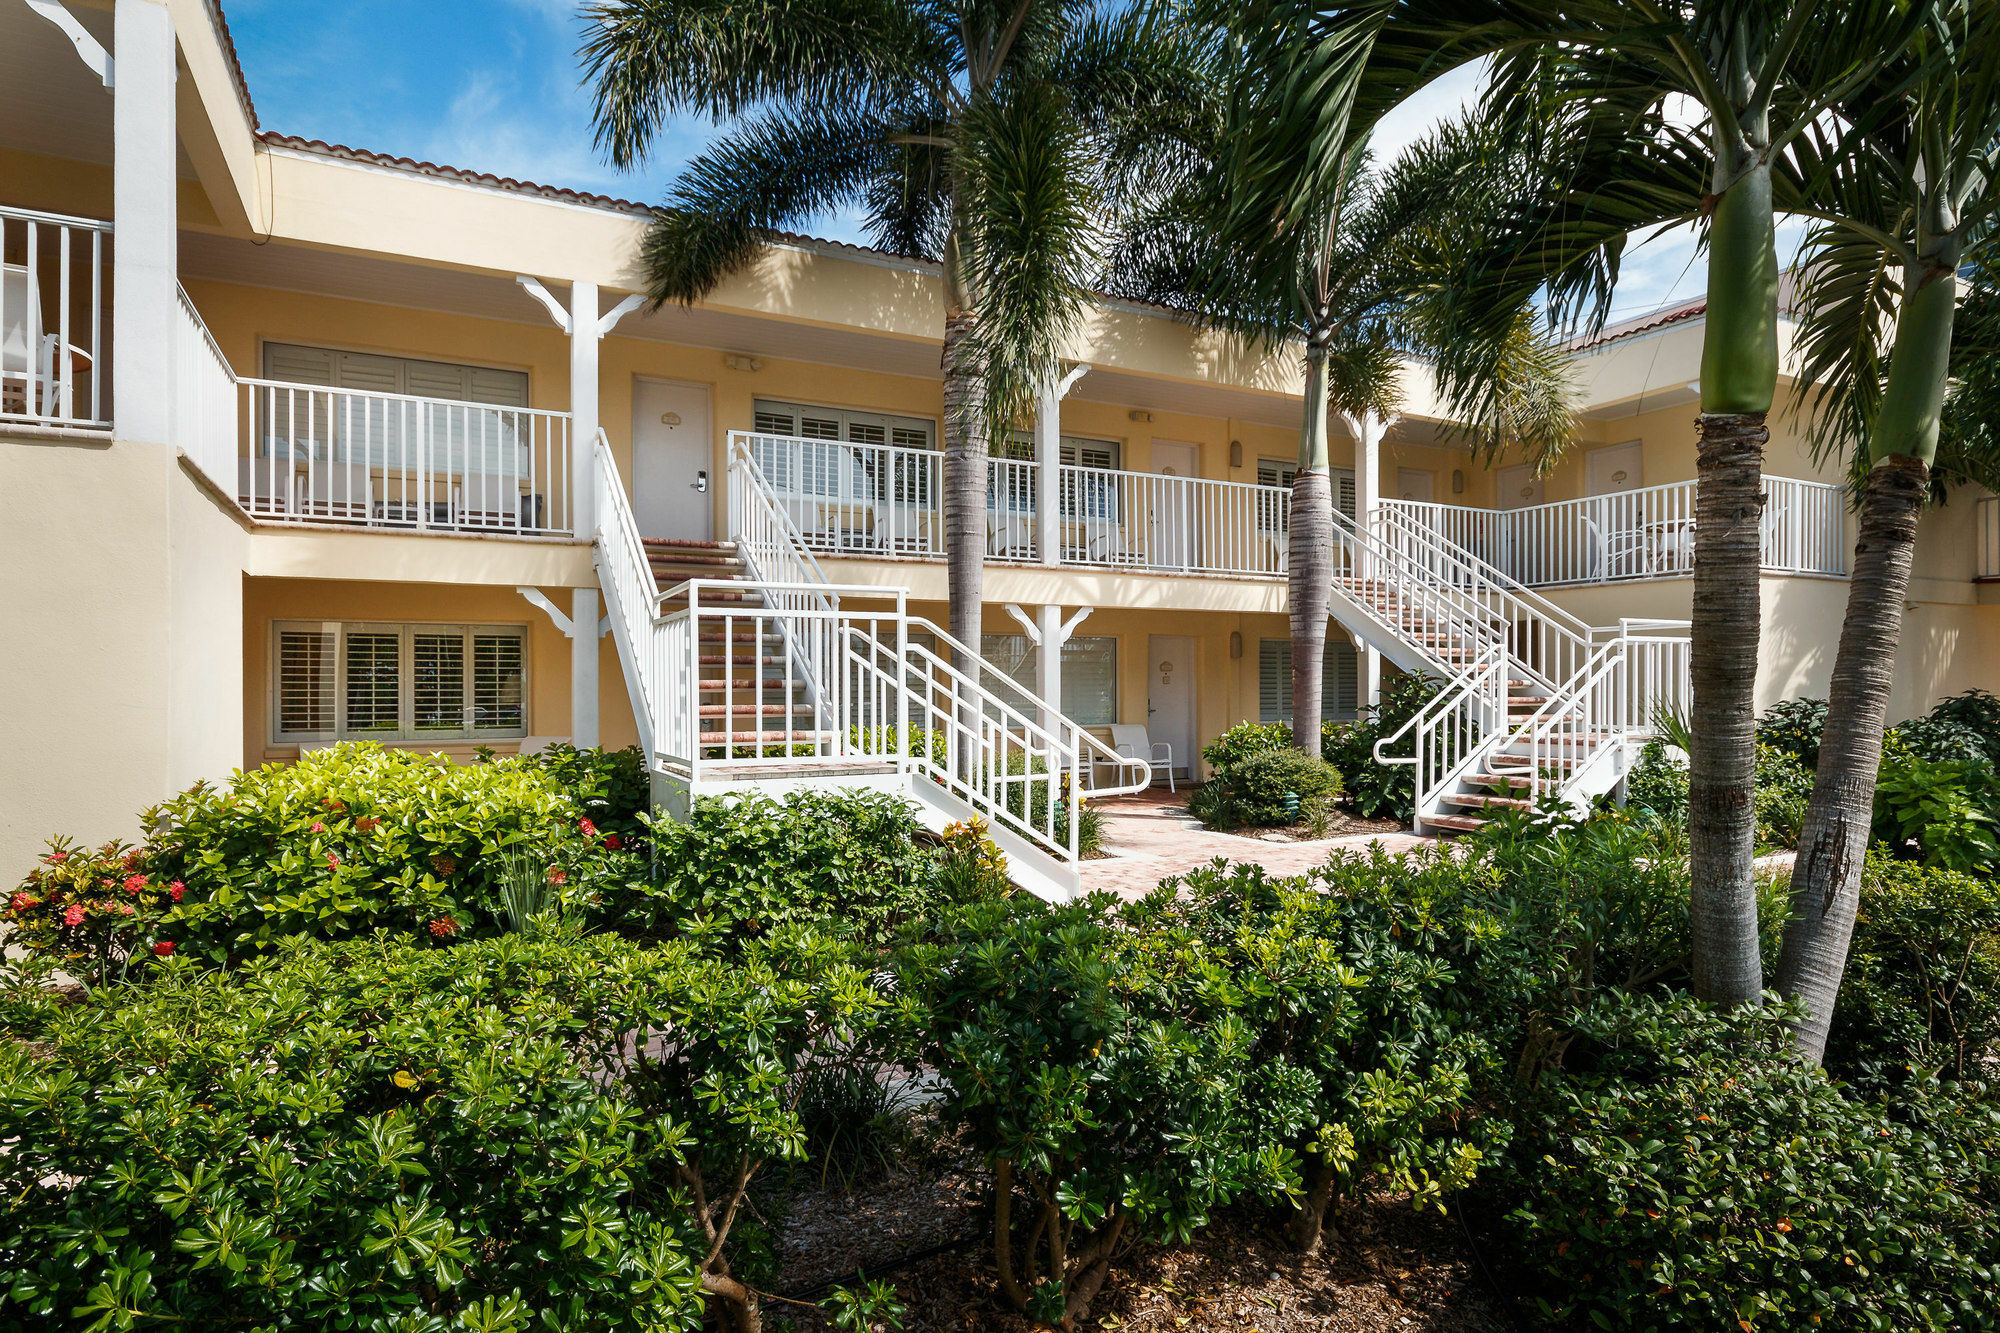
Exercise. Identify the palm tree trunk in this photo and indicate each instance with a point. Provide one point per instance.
(1826, 882)
(965, 512)
(1309, 591)
(1739, 375)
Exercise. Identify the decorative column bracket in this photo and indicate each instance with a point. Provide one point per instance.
(87, 47)
(564, 625)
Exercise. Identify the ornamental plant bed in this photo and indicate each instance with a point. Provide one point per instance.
(1404, 1270)
(1339, 824)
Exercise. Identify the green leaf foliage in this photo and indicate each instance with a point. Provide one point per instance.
(1374, 790)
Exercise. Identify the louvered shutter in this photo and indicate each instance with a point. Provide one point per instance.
(299, 365)
(373, 670)
(437, 676)
(1276, 472)
(1274, 680)
(1343, 490)
(499, 682)
(307, 673)
(1013, 657)
(1090, 680)
(1340, 686)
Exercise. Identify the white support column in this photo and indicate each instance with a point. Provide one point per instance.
(1368, 429)
(583, 336)
(145, 222)
(583, 668)
(1048, 632)
(1048, 474)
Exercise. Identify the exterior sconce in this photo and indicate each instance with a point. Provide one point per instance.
(1457, 481)
(1138, 414)
(748, 364)
(1235, 643)
(1236, 453)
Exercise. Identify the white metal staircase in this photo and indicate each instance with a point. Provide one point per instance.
(750, 671)
(1538, 709)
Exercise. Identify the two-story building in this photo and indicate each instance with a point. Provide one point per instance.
(299, 443)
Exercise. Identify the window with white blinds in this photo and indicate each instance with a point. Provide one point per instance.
(1074, 450)
(365, 372)
(832, 423)
(811, 470)
(1283, 472)
(334, 681)
(1339, 689)
(1089, 673)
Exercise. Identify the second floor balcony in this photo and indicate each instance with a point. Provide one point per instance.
(862, 500)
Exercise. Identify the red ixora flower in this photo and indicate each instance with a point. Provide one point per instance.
(613, 841)
(163, 948)
(74, 916)
(57, 857)
(319, 828)
(21, 902)
(589, 829)
(557, 875)
(134, 883)
(332, 859)
(176, 889)
(443, 927)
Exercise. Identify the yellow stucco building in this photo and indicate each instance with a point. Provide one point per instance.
(296, 444)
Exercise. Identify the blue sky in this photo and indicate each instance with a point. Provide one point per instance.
(494, 85)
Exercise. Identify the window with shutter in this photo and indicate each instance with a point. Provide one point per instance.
(373, 667)
(1276, 472)
(1090, 681)
(1338, 684)
(399, 682)
(308, 662)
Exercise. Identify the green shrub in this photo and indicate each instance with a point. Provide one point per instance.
(851, 861)
(356, 838)
(1978, 712)
(94, 912)
(1659, 783)
(1796, 727)
(1243, 740)
(611, 787)
(1350, 1010)
(1375, 790)
(1258, 788)
(883, 740)
(1922, 992)
(1701, 1176)
(1942, 740)
(363, 1135)
(1941, 813)
(1210, 804)
(1070, 1060)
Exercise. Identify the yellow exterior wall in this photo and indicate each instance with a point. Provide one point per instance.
(118, 683)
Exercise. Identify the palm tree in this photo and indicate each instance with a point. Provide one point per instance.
(1913, 201)
(1602, 72)
(981, 134)
(1364, 286)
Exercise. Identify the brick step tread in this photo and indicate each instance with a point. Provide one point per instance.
(712, 738)
(1462, 823)
(737, 659)
(754, 772)
(1519, 762)
(686, 544)
(715, 595)
(1516, 781)
(716, 684)
(751, 710)
(1481, 802)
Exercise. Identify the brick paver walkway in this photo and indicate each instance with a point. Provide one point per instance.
(1151, 836)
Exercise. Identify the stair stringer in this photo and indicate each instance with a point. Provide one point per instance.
(1371, 632)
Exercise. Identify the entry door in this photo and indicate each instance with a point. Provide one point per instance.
(673, 461)
(1618, 536)
(1520, 488)
(1611, 469)
(1172, 536)
(1414, 484)
(1170, 695)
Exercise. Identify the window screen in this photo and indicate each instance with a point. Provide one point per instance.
(1339, 690)
(398, 682)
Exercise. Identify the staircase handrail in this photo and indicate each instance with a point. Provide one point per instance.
(1492, 575)
(1479, 687)
(1101, 752)
(631, 593)
(791, 549)
(1474, 620)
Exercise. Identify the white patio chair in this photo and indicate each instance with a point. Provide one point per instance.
(264, 485)
(31, 369)
(336, 493)
(1129, 739)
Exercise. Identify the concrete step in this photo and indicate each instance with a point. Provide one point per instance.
(1516, 781)
(1474, 801)
(1457, 823)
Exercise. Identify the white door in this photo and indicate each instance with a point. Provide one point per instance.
(1616, 531)
(1519, 487)
(1612, 468)
(1414, 484)
(1170, 695)
(1172, 535)
(673, 461)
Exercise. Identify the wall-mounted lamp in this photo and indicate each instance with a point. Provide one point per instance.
(1458, 481)
(1235, 643)
(1138, 414)
(748, 364)
(1236, 453)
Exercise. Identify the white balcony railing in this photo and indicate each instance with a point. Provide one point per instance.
(385, 460)
(1641, 534)
(52, 297)
(862, 498)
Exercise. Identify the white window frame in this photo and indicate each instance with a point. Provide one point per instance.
(406, 731)
(493, 396)
(996, 648)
